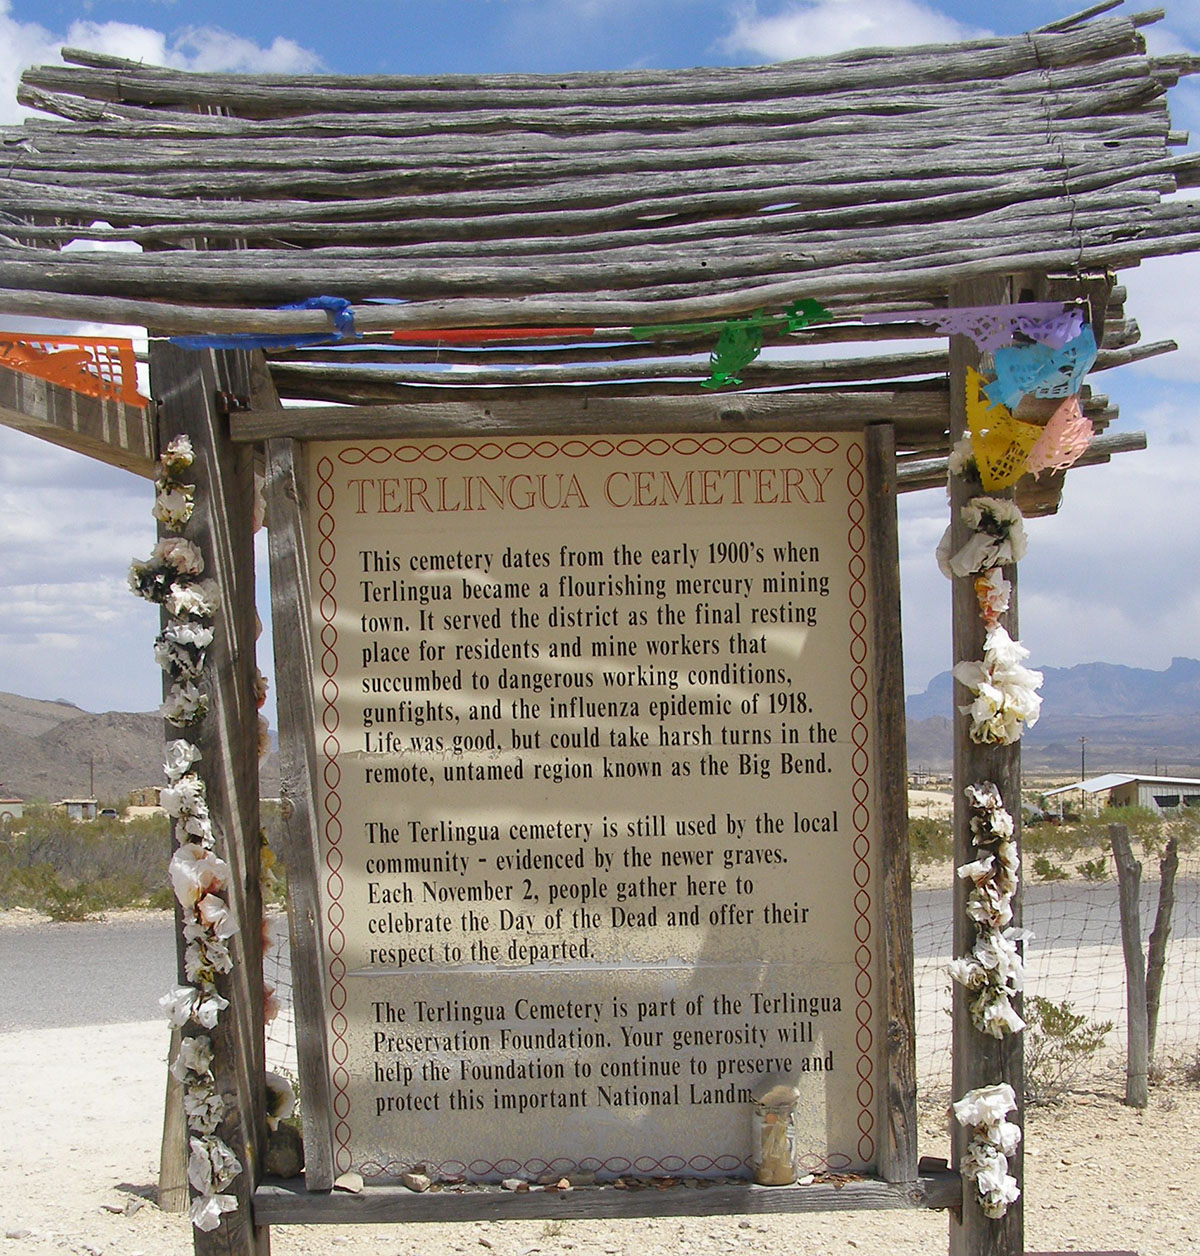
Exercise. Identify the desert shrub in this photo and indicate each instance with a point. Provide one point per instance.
(930, 840)
(1093, 869)
(1059, 1043)
(71, 871)
(1045, 869)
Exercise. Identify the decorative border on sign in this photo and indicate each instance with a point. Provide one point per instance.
(860, 762)
(335, 938)
(543, 449)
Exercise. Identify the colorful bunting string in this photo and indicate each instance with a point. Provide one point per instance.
(1040, 370)
(1063, 440)
(1001, 443)
(989, 326)
(92, 365)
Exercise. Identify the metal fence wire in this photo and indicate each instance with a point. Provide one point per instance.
(1075, 957)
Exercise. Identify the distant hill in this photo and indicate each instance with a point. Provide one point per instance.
(53, 750)
(1134, 720)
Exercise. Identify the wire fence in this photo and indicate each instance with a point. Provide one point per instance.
(1076, 956)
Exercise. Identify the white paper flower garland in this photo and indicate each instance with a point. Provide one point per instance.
(993, 972)
(171, 577)
(993, 1140)
(1005, 702)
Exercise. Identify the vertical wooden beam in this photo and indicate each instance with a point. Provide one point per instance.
(898, 1146)
(978, 1059)
(187, 386)
(1129, 886)
(298, 769)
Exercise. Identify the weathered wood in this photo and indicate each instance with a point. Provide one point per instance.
(977, 1059)
(173, 1149)
(118, 79)
(109, 431)
(567, 412)
(1129, 883)
(298, 770)
(898, 1144)
(187, 385)
(1160, 935)
(278, 1203)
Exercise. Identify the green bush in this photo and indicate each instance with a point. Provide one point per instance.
(930, 841)
(1046, 870)
(71, 871)
(1093, 869)
(1059, 1042)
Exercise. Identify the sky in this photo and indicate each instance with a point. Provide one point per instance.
(1111, 578)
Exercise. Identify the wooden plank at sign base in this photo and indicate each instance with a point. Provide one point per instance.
(278, 1203)
(109, 431)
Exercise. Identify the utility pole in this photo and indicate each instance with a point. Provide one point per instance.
(1082, 775)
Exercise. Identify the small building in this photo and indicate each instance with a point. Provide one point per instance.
(1155, 793)
(79, 808)
(145, 796)
(11, 809)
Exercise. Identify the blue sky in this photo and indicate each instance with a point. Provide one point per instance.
(1111, 578)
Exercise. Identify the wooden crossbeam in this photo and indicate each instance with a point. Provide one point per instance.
(109, 431)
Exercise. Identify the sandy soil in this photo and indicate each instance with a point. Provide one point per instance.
(79, 1148)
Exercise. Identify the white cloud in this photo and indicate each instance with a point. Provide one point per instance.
(815, 28)
(202, 48)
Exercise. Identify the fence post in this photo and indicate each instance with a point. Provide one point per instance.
(1129, 882)
(1160, 935)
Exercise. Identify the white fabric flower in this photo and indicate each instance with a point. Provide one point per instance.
(978, 871)
(994, 1015)
(968, 972)
(985, 1105)
(209, 1007)
(201, 600)
(184, 705)
(196, 871)
(181, 755)
(195, 1057)
(180, 553)
(178, 1004)
(206, 1210)
(178, 455)
(174, 505)
(203, 1106)
(186, 797)
(211, 1165)
(214, 913)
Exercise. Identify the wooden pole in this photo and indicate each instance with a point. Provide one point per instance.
(1129, 884)
(977, 1059)
(189, 386)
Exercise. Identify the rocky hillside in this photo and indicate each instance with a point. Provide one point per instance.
(53, 750)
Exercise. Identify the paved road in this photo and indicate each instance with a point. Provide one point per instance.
(107, 973)
(92, 973)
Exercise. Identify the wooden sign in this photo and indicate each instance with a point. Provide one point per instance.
(597, 721)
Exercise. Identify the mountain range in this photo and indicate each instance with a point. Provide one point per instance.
(1133, 720)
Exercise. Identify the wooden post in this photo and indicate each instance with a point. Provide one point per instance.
(188, 386)
(898, 1147)
(977, 1059)
(1129, 884)
(1160, 935)
(173, 1153)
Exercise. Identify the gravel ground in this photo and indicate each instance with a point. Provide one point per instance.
(79, 1148)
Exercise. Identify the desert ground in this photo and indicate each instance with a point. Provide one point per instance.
(79, 1150)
